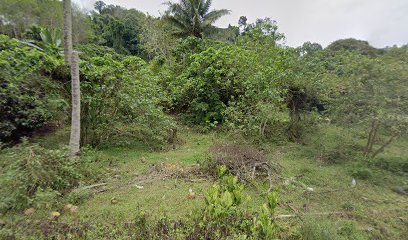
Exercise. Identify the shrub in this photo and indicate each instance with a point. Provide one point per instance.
(392, 164)
(232, 85)
(121, 99)
(34, 176)
(213, 79)
(322, 229)
(363, 174)
(78, 196)
(28, 99)
(223, 215)
(88, 51)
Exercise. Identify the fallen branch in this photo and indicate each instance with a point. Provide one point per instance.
(308, 214)
(94, 186)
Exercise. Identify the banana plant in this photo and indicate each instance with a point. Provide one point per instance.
(50, 41)
(51, 38)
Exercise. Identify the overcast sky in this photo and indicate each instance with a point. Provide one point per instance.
(381, 22)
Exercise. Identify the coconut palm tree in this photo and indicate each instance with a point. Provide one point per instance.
(193, 17)
(71, 59)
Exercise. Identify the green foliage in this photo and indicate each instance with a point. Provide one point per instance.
(214, 79)
(185, 48)
(362, 173)
(359, 92)
(118, 28)
(223, 84)
(88, 51)
(46, 198)
(332, 145)
(120, 98)
(193, 17)
(222, 200)
(309, 48)
(263, 31)
(354, 45)
(34, 176)
(20, 17)
(30, 174)
(322, 229)
(156, 38)
(392, 164)
(28, 99)
(78, 196)
(45, 40)
(264, 225)
(51, 37)
(21, 14)
(224, 215)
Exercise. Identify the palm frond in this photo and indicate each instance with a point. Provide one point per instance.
(213, 16)
(205, 7)
(177, 23)
(192, 17)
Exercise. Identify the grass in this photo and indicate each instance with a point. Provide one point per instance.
(161, 197)
(371, 205)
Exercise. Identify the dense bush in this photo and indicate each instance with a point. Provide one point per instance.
(230, 85)
(34, 176)
(214, 79)
(29, 170)
(28, 99)
(121, 98)
(88, 51)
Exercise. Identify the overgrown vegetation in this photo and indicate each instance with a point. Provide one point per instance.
(214, 123)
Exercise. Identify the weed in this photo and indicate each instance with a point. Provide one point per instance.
(325, 229)
(392, 164)
(363, 173)
(79, 196)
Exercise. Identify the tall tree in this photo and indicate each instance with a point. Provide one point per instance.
(71, 59)
(76, 107)
(67, 31)
(193, 17)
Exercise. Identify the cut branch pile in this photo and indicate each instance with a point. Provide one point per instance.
(246, 162)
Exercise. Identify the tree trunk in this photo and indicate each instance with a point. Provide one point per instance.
(371, 137)
(67, 31)
(76, 107)
(71, 60)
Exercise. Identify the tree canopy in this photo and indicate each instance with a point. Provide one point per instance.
(193, 17)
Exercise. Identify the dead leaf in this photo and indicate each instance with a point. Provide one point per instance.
(29, 211)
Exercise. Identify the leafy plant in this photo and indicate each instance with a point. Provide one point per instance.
(28, 99)
(121, 98)
(34, 176)
(264, 226)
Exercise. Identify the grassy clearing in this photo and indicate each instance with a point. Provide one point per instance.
(166, 177)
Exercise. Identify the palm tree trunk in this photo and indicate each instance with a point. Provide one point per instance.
(71, 60)
(76, 107)
(67, 31)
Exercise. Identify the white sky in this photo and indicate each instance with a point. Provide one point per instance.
(381, 22)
